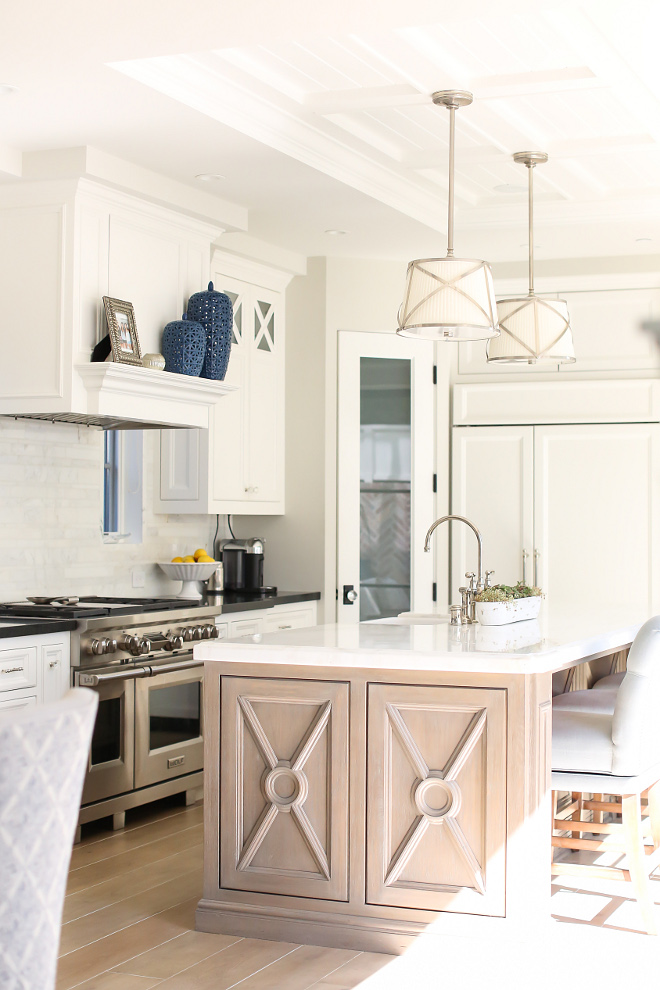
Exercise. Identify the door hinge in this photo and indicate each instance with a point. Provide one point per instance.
(435, 374)
(434, 593)
(435, 482)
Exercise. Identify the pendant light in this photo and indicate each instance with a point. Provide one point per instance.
(533, 328)
(449, 298)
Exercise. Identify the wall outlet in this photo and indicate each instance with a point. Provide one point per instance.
(139, 577)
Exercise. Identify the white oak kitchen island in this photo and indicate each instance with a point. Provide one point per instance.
(363, 781)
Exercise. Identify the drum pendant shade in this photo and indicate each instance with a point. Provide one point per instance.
(533, 328)
(449, 298)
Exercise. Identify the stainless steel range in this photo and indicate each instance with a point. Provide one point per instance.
(137, 655)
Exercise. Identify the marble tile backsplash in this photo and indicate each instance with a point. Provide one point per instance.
(51, 494)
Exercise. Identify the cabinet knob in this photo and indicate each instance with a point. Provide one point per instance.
(53, 663)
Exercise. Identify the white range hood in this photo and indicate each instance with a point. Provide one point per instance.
(65, 244)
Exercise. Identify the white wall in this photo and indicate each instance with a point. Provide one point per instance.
(294, 550)
(51, 490)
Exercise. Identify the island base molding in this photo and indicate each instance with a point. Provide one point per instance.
(342, 931)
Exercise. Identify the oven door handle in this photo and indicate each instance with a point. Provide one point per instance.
(93, 680)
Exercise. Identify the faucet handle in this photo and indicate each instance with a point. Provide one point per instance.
(472, 577)
(488, 574)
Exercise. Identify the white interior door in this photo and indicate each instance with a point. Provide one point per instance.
(596, 495)
(493, 486)
(385, 468)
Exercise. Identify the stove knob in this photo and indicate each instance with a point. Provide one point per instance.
(144, 646)
(130, 643)
(215, 632)
(198, 632)
(210, 631)
(175, 642)
(97, 646)
(110, 645)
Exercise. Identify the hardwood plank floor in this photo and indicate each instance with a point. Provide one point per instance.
(129, 920)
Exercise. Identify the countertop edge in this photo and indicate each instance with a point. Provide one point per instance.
(34, 627)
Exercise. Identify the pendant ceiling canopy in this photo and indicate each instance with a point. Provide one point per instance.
(449, 298)
(532, 328)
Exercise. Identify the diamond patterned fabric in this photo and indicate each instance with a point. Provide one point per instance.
(43, 758)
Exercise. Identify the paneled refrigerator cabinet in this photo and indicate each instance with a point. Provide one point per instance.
(570, 508)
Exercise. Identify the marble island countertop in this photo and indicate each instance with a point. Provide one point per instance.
(556, 641)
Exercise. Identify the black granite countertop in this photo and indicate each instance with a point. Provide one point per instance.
(238, 601)
(21, 625)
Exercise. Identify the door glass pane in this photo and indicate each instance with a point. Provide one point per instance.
(107, 736)
(385, 472)
(174, 714)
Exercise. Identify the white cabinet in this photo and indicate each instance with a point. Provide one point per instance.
(578, 500)
(607, 330)
(237, 465)
(33, 669)
(275, 619)
(63, 246)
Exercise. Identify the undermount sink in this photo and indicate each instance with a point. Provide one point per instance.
(422, 618)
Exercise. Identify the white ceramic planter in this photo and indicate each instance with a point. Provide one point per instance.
(501, 613)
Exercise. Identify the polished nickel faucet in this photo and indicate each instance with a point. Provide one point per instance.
(467, 610)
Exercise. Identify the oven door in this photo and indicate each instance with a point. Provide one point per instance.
(168, 725)
(110, 768)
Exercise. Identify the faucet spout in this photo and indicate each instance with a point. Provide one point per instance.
(434, 526)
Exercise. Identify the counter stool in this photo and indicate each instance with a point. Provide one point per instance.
(609, 743)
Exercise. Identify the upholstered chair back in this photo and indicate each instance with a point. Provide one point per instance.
(636, 721)
(43, 758)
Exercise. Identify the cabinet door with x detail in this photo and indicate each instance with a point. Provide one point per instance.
(284, 786)
(436, 798)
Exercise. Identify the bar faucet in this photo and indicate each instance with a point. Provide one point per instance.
(467, 609)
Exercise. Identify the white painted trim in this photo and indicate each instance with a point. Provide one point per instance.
(250, 271)
(616, 401)
(578, 283)
(149, 395)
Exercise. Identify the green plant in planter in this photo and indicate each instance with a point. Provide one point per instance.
(506, 593)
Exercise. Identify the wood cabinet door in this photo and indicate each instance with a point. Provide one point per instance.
(284, 785)
(493, 485)
(436, 798)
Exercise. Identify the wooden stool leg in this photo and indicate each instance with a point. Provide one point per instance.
(598, 815)
(577, 815)
(631, 814)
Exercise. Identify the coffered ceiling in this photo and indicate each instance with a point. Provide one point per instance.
(328, 124)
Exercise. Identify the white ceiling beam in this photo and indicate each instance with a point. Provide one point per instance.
(351, 100)
(530, 83)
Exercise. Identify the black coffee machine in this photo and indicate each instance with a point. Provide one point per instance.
(243, 565)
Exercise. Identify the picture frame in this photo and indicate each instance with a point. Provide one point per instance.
(120, 317)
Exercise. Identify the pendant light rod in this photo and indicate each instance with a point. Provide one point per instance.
(530, 200)
(452, 99)
(530, 159)
(450, 198)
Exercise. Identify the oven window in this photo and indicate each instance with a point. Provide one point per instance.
(174, 714)
(106, 740)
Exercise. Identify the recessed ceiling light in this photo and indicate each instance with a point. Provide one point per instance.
(7, 88)
(508, 189)
(335, 233)
(209, 177)
(643, 240)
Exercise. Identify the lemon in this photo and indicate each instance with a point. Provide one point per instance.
(200, 553)
(177, 560)
(205, 559)
(189, 560)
